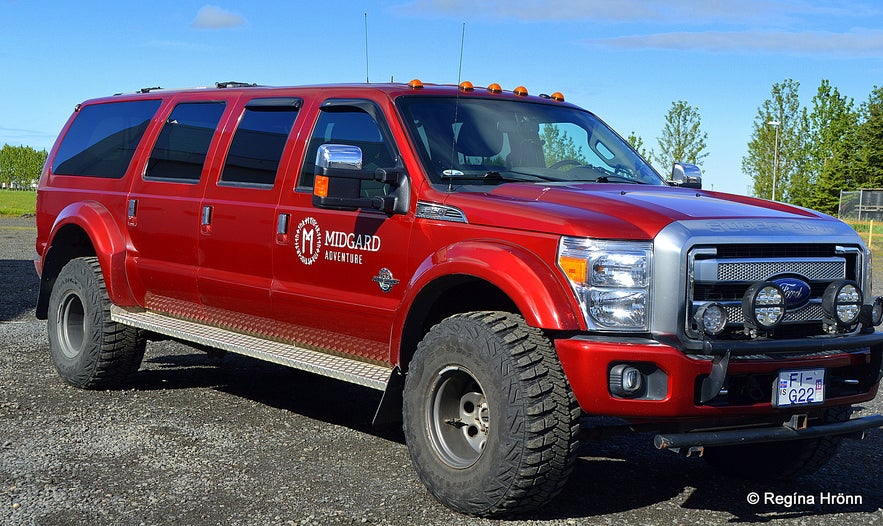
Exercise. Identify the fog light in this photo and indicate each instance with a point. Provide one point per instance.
(711, 318)
(842, 303)
(626, 380)
(763, 306)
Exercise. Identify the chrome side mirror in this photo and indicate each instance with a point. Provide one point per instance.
(685, 175)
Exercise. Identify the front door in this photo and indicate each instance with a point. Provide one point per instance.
(341, 275)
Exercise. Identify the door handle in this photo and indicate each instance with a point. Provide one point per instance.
(282, 227)
(132, 212)
(206, 221)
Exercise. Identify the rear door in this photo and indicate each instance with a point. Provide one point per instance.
(163, 206)
(341, 274)
(238, 223)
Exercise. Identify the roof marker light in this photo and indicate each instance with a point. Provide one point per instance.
(521, 91)
(416, 84)
(494, 88)
(558, 96)
(466, 86)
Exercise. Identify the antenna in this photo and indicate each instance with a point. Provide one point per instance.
(462, 45)
(457, 103)
(367, 80)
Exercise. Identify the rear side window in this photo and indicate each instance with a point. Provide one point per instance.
(180, 150)
(102, 139)
(259, 141)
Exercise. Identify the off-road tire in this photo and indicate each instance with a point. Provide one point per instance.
(779, 460)
(489, 417)
(87, 348)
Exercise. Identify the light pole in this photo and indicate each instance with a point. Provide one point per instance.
(775, 158)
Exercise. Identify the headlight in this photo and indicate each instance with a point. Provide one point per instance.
(611, 280)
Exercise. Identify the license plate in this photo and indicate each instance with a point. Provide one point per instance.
(800, 387)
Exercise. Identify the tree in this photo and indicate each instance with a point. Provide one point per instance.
(867, 168)
(559, 146)
(20, 164)
(682, 139)
(638, 144)
(777, 147)
(831, 128)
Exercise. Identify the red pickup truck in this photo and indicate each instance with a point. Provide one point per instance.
(501, 265)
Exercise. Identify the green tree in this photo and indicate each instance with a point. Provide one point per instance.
(682, 140)
(559, 146)
(638, 144)
(831, 135)
(20, 164)
(776, 151)
(867, 166)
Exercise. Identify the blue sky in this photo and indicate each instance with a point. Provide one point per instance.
(626, 60)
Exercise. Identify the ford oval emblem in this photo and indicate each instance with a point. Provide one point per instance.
(796, 291)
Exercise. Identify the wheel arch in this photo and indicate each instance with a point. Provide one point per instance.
(85, 229)
(474, 276)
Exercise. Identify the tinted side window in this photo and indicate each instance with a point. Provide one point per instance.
(258, 143)
(350, 126)
(102, 139)
(182, 145)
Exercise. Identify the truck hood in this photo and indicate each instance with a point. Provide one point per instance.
(612, 210)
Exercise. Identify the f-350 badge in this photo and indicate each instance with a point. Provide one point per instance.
(385, 280)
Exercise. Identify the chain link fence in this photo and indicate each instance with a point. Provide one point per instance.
(861, 205)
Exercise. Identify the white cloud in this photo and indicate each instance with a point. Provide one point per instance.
(858, 43)
(213, 17)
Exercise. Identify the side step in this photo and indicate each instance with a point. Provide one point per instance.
(346, 369)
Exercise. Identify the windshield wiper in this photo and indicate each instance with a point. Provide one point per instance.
(494, 175)
(615, 179)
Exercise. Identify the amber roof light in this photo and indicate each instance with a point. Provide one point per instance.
(521, 91)
(466, 86)
(494, 88)
(416, 84)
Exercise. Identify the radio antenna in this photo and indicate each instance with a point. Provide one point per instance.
(462, 45)
(457, 105)
(367, 79)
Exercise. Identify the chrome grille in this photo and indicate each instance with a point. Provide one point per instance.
(756, 270)
(750, 270)
(722, 275)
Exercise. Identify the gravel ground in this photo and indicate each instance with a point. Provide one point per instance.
(201, 441)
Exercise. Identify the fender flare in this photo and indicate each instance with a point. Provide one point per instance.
(536, 288)
(107, 240)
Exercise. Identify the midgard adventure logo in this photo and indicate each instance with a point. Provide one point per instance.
(309, 243)
(308, 240)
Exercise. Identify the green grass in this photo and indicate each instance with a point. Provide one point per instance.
(16, 203)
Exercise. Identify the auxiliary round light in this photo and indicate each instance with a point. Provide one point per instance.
(763, 306)
(711, 318)
(842, 302)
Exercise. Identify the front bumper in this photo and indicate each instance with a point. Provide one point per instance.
(587, 362)
(731, 437)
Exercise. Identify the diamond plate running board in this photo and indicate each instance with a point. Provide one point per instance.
(346, 369)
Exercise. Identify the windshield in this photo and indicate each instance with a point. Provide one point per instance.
(497, 141)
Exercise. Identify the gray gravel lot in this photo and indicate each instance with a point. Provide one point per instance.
(200, 441)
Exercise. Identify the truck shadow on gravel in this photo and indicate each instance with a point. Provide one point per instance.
(618, 475)
(18, 288)
(316, 397)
